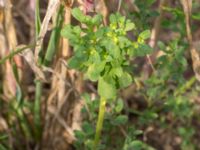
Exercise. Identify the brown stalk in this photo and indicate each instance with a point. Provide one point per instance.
(63, 116)
(64, 53)
(8, 43)
(187, 8)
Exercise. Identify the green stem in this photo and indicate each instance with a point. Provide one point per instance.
(37, 18)
(99, 126)
(38, 84)
(37, 103)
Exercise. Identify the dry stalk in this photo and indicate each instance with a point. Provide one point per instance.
(29, 57)
(3, 124)
(8, 43)
(51, 9)
(64, 53)
(63, 100)
(187, 7)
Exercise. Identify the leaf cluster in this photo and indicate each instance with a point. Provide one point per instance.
(102, 52)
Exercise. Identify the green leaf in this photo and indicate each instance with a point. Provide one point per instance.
(86, 98)
(121, 19)
(196, 16)
(129, 26)
(142, 50)
(124, 42)
(111, 47)
(77, 30)
(150, 2)
(161, 45)
(120, 120)
(77, 13)
(117, 71)
(80, 52)
(2, 147)
(125, 80)
(94, 71)
(145, 34)
(106, 89)
(3, 137)
(97, 19)
(119, 106)
(94, 57)
(80, 135)
(67, 32)
(74, 63)
(113, 19)
(88, 128)
(137, 145)
(100, 32)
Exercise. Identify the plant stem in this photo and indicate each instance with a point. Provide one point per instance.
(38, 83)
(37, 103)
(99, 126)
(37, 18)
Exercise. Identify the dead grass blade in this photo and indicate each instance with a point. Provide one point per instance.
(52, 7)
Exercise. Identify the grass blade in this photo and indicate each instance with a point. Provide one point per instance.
(55, 37)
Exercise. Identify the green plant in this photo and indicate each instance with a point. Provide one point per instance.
(103, 54)
(159, 109)
(118, 133)
(186, 134)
